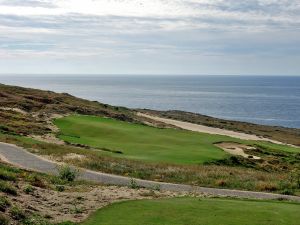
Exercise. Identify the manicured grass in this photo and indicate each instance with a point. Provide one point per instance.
(141, 142)
(203, 211)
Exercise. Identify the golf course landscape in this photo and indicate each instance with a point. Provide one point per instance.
(101, 145)
(146, 143)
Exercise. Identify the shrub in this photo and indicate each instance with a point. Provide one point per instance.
(7, 188)
(4, 204)
(295, 177)
(67, 173)
(28, 189)
(221, 183)
(265, 186)
(133, 184)
(288, 192)
(36, 181)
(66, 223)
(60, 188)
(6, 175)
(35, 220)
(3, 219)
(17, 213)
(156, 187)
(77, 210)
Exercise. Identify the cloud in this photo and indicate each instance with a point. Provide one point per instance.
(142, 29)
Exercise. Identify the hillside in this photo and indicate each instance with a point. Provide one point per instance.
(28, 111)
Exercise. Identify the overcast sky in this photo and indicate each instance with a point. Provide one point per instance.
(260, 37)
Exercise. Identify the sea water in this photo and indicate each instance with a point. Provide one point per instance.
(272, 100)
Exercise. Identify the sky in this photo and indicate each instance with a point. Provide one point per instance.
(230, 37)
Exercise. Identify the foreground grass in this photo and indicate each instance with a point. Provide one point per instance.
(195, 211)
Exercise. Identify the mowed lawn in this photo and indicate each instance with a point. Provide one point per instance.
(194, 211)
(141, 142)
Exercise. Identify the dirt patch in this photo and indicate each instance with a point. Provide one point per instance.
(14, 109)
(74, 156)
(77, 205)
(49, 138)
(237, 149)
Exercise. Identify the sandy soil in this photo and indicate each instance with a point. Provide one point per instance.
(15, 110)
(48, 138)
(206, 129)
(237, 149)
(77, 205)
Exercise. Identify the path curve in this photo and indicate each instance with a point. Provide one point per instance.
(20, 157)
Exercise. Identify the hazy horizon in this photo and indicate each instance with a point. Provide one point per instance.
(139, 74)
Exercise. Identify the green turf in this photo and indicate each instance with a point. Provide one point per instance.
(141, 142)
(193, 211)
(146, 143)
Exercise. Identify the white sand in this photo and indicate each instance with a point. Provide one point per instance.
(206, 129)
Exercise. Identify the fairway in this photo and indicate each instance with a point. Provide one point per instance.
(141, 142)
(203, 211)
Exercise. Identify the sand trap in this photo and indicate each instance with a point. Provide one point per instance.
(237, 149)
(206, 129)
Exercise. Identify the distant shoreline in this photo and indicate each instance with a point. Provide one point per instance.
(268, 100)
(36, 100)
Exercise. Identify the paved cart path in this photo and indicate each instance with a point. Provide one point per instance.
(19, 157)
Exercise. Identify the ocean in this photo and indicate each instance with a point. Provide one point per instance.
(271, 100)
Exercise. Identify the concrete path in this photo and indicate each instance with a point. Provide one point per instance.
(22, 158)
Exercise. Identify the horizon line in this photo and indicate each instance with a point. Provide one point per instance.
(140, 74)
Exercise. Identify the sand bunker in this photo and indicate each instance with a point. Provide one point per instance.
(206, 129)
(237, 149)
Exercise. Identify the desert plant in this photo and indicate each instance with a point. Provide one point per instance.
(6, 175)
(295, 177)
(35, 220)
(17, 213)
(67, 173)
(36, 180)
(7, 188)
(4, 204)
(28, 189)
(66, 223)
(3, 219)
(133, 184)
(287, 192)
(60, 188)
(156, 187)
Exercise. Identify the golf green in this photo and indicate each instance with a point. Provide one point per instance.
(195, 211)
